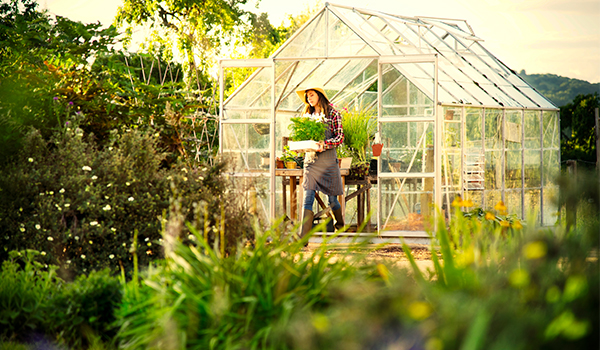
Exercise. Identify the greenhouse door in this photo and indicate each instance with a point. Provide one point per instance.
(408, 166)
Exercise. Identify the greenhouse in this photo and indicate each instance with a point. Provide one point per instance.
(452, 118)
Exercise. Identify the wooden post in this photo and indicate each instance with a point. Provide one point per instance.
(571, 202)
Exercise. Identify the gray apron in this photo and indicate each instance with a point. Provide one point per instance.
(324, 174)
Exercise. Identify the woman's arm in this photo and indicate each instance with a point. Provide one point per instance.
(336, 128)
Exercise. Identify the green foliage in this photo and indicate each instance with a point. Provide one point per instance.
(81, 203)
(359, 130)
(305, 128)
(578, 139)
(37, 304)
(560, 90)
(201, 299)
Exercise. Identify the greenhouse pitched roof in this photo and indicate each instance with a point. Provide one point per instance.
(328, 49)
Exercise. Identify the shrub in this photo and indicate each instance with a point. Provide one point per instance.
(201, 299)
(80, 203)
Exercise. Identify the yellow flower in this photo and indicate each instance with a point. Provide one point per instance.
(468, 203)
(489, 216)
(500, 207)
(535, 250)
(457, 202)
(517, 225)
(504, 223)
(419, 310)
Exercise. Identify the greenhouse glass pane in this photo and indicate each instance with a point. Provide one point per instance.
(408, 147)
(476, 197)
(365, 30)
(254, 193)
(493, 129)
(500, 96)
(343, 41)
(512, 175)
(481, 97)
(532, 169)
(536, 97)
(245, 145)
(256, 93)
(406, 204)
(247, 113)
(551, 210)
(308, 43)
(551, 133)
(473, 132)
(493, 169)
(518, 96)
(532, 204)
(451, 169)
(513, 133)
(514, 202)
(492, 198)
(532, 130)
(452, 134)
(551, 169)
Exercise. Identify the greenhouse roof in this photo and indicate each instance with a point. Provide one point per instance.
(338, 49)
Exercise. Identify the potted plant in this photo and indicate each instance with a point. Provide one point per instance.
(359, 130)
(289, 158)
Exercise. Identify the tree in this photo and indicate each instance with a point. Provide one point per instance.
(199, 26)
(578, 140)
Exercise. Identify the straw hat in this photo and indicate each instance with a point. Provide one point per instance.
(302, 92)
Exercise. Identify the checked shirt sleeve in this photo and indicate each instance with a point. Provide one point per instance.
(335, 124)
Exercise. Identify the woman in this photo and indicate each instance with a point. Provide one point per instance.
(324, 173)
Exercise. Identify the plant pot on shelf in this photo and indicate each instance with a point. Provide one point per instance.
(279, 164)
(290, 165)
(377, 149)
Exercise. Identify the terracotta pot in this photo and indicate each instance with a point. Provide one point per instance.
(279, 164)
(290, 165)
(377, 149)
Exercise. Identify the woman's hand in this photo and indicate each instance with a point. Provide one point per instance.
(321, 145)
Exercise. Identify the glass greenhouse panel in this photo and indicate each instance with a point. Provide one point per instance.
(531, 130)
(255, 92)
(365, 29)
(512, 174)
(245, 145)
(474, 196)
(492, 197)
(532, 204)
(551, 211)
(551, 169)
(513, 200)
(533, 169)
(513, 134)
(343, 41)
(493, 129)
(406, 204)
(473, 130)
(493, 169)
(310, 42)
(408, 147)
(551, 133)
(254, 192)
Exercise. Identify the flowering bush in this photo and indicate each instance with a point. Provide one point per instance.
(80, 204)
(308, 127)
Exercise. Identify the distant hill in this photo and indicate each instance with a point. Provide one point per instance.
(560, 90)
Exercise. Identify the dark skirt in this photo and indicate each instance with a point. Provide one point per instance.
(324, 174)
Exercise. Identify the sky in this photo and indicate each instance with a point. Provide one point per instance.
(540, 36)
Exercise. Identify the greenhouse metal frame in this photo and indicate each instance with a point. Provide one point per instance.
(454, 119)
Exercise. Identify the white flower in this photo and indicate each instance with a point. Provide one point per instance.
(147, 239)
(37, 226)
(43, 253)
(184, 178)
(184, 170)
(93, 223)
(41, 194)
(107, 207)
(76, 238)
(30, 160)
(112, 256)
(110, 148)
(51, 192)
(94, 177)
(86, 168)
(200, 178)
(130, 199)
(113, 229)
(127, 183)
(108, 185)
(62, 190)
(67, 205)
(83, 256)
(50, 238)
(68, 261)
(22, 229)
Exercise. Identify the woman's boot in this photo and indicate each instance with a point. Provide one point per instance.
(339, 219)
(307, 222)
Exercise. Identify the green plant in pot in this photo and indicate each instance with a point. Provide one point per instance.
(359, 130)
(289, 158)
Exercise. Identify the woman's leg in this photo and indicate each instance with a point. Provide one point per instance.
(309, 199)
(336, 209)
(307, 213)
(334, 203)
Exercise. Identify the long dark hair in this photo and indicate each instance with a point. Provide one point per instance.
(323, 103)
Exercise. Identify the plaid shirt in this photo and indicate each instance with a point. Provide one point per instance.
(334, 122)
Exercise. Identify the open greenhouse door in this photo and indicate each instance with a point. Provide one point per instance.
(409, 167)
